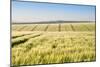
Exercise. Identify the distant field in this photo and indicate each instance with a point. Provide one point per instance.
(52, 43)
(54, 27)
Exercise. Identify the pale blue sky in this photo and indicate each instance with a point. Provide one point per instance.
(34, 12)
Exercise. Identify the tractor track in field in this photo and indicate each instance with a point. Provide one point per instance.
(24, 40)
(72, 27)
(46, 27)
(21, 28)
(59, 27)
(34, 28)
(21, 35)
(25, 29)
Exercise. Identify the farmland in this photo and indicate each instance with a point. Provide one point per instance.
(54, 27)
(52, 43)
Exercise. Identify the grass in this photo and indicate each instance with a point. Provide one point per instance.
(53, 45)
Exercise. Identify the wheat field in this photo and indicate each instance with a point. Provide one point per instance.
(52, 43)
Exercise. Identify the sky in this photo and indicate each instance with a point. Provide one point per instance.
(37, 12)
